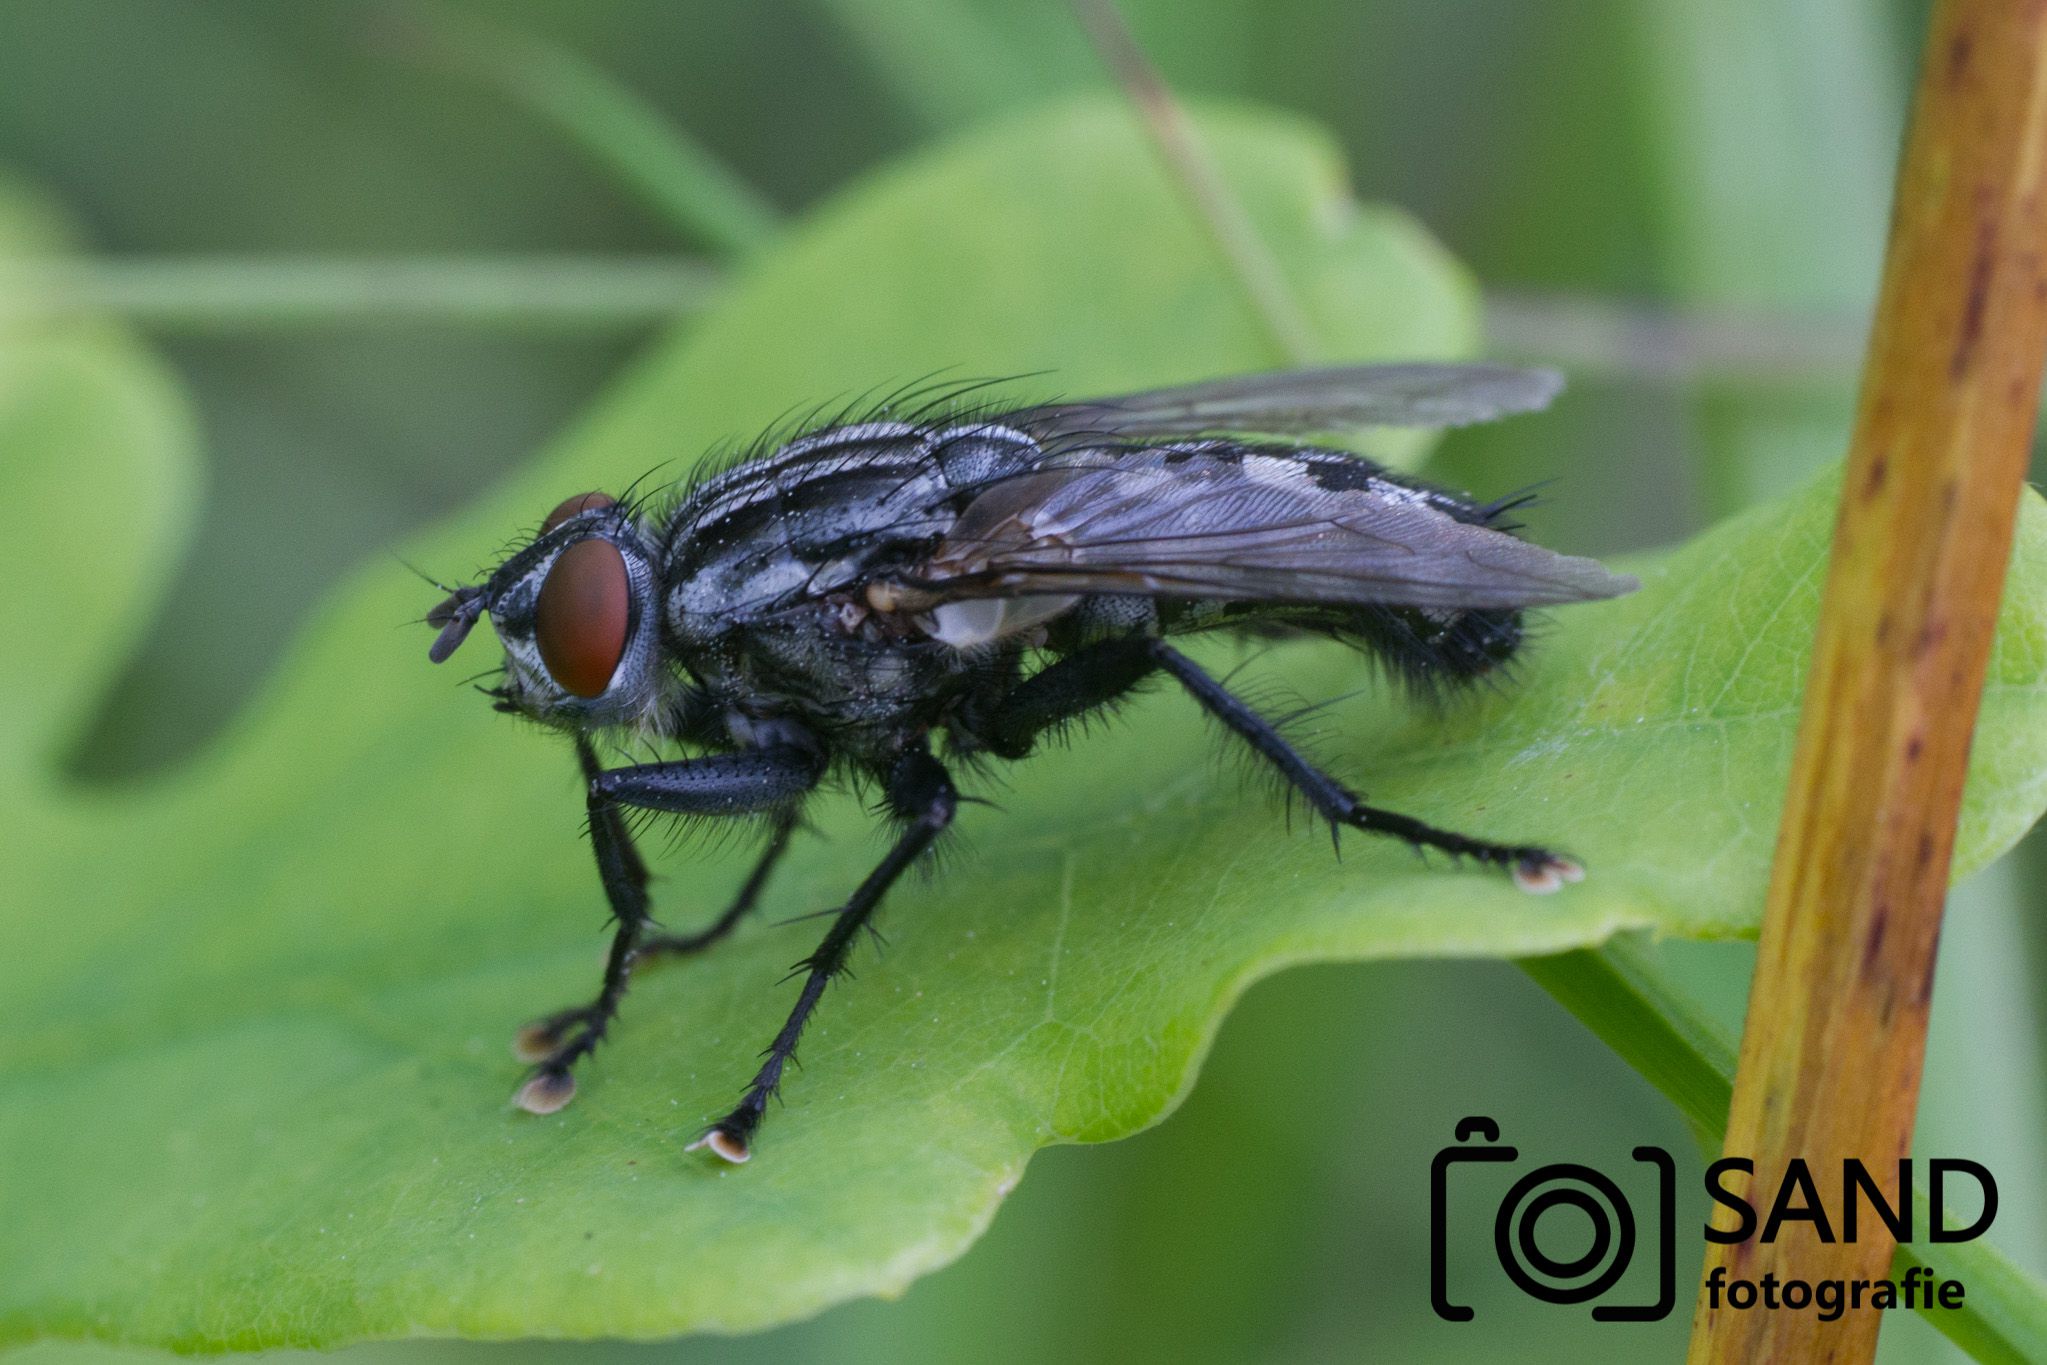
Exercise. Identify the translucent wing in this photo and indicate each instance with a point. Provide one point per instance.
(1303, 402)
(1223, 522)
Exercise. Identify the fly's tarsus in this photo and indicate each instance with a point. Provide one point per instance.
(1535, 870)
(547, 1091)
(541, 1040)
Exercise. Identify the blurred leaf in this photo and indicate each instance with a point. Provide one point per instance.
(256, 1077)
(91, 425)
(949, 63)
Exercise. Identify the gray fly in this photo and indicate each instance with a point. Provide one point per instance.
(822, 610)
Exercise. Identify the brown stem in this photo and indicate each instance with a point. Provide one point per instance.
(1836, 1031)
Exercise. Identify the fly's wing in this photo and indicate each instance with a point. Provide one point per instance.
(1228, 523)
(1306, 402)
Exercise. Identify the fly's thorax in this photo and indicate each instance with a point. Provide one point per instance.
(578, 614)
(821, 514)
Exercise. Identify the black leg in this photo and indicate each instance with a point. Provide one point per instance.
(1090, 677)
(631, 866)
(723, 784)
(545, 1037)
(681, 945)
(1533, 869)
(922, 796)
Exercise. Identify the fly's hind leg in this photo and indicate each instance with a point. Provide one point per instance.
(921, 795)
(1533, 869)
(744, 783)
(1091, 677)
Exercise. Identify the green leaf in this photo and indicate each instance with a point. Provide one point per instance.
(255, 1085)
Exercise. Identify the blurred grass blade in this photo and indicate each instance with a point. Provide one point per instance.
(645, 151)
(1652, 1027)
(1627, 1002)
(243, 294)
(2004, 1318)
(1193, 168)
(1764, 349)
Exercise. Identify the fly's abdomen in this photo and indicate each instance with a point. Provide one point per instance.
(1430, 651)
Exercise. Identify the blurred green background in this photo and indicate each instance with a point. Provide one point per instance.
(1682, 203)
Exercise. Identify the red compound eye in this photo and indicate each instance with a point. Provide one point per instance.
(580, 619)
(576, 506)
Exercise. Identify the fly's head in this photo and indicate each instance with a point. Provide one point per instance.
(577, 612)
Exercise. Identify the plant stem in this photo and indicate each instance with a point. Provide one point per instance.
(1835, 1038)
(241, 294)
(1608, 337)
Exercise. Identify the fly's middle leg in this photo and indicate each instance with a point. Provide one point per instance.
(1533, 868)
(920, 794)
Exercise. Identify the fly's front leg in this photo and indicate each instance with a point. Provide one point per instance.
(743, 783)
(547, 1036)
(920, 794)
(1533, 869)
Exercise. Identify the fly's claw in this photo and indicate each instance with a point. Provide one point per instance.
(548, 1090)
(727, 1141)
(1541, 873)
(544, 1038)
(551, 1045)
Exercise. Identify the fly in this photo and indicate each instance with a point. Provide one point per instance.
(830, 607)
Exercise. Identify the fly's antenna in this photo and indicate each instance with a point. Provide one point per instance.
(455, 616)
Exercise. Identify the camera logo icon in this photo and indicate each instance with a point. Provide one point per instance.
(1593, 1195)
